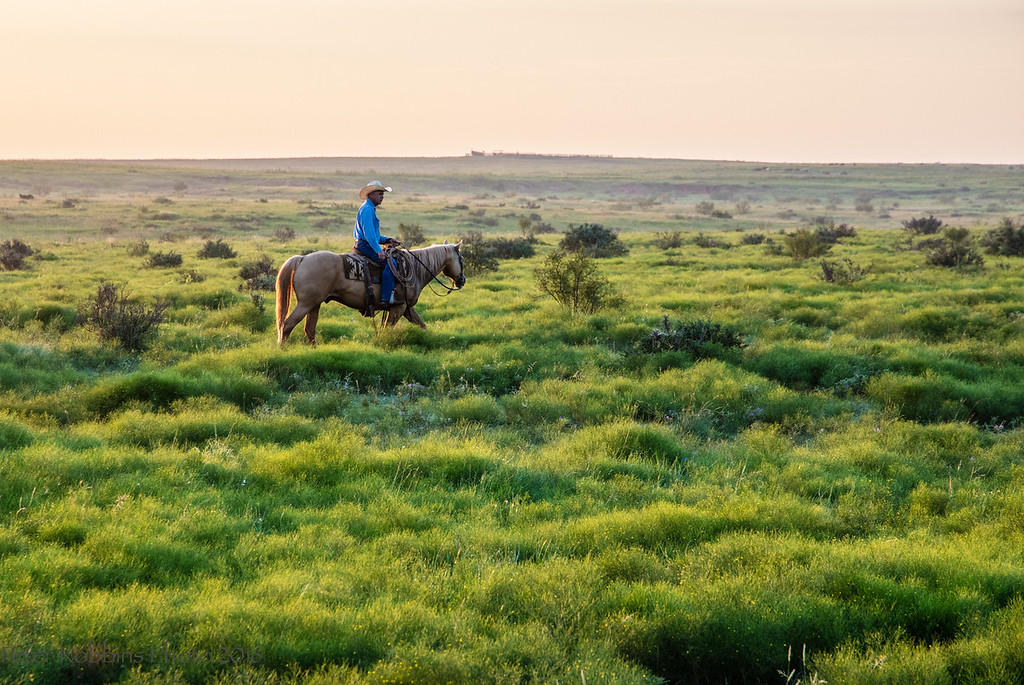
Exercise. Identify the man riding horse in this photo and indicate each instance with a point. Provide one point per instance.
(325, 276)
(371, 244)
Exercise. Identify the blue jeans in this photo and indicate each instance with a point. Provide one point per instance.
(387, 278)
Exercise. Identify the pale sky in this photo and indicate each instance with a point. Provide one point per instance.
(754, 80)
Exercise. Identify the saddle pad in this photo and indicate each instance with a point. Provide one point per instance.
(356, 266)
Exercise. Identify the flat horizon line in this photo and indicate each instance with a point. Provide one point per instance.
(491, 155)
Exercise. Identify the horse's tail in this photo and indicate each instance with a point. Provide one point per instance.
(284, 290)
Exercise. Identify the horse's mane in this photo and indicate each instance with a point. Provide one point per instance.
(436, 254)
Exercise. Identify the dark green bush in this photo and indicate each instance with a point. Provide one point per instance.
(830, 233)
(955, 250)
(593, 239)
(258, 274)
(573, 281)
(511, 248)
(477, 256)
(164, 260)
(923, 226)
(844, 272)
(806, 244)
(481, 254)
(13, 254)
(1006, 240)
(705, 242)
(117, 318)
(216, 249)
(701, 338)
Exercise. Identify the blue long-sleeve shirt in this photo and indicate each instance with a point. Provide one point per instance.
(368, 226)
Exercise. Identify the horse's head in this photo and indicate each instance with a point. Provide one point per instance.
(453, 266)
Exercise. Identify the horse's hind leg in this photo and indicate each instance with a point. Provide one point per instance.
(310, 327)
(413, 315)
(293, 319)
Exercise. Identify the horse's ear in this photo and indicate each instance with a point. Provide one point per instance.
(445, 241)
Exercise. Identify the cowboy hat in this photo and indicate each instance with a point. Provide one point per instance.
(372, 186)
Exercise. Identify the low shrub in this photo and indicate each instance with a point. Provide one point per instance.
(511, 248)
(805, 244)
(772, 248)
(216, 249)
(482, 254)
(477, 259)
(573, 281)
(593, 239)
(139, 248)
(532, 226)
(13, 254)
(1006, 240)
(701, 338)
(704, 207)
(843, 272)
(411, 234)
(954, 250)
(192, 276)
(752, 239)
(258, 274)
(159, 260)
(705, 242)
(667, 241)
(116, 317)
(922, 226)
(284, 234)
(830, 233)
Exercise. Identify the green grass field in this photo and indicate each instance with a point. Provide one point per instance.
(516, 494)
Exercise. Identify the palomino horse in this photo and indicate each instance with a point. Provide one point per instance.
(320, 277)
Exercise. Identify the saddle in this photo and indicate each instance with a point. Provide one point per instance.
(357, 267)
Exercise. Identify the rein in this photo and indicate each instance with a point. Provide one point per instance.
(433, 276)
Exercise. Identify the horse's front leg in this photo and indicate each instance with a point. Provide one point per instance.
(413, 315)
(392, 315)
(310, 327)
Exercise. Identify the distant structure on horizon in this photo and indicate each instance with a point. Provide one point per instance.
(502, 153)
